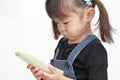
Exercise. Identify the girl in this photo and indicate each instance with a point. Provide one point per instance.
(79, 53)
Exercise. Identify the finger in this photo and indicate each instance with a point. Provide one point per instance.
(29, 66)
(37, 75)
(45, 76)
(35, 69)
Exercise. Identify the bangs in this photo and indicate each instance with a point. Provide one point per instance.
(58, 8)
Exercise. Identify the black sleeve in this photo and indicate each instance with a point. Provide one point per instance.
(96, 63)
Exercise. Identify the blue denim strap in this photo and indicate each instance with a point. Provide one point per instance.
(79, 47)
(56, 53)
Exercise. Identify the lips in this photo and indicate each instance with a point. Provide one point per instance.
(65, 36)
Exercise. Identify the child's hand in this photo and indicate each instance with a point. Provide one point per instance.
(55, 75)
(35, 71)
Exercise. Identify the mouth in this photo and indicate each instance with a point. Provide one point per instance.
(65, 36)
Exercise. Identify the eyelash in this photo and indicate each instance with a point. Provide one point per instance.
(66, 22)
(63, 23)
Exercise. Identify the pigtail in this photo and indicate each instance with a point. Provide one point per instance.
(103, 23)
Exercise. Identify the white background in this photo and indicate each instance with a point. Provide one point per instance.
(25, 26)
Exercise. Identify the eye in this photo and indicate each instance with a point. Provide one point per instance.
(66, 22)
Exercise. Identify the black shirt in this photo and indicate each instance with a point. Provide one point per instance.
(90, 64)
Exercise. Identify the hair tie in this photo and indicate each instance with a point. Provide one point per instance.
(88, 2)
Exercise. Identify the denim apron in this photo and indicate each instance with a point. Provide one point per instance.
(67, 65)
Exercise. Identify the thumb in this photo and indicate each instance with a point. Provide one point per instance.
(52, 68)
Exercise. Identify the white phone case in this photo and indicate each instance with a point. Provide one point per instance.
(30, 59)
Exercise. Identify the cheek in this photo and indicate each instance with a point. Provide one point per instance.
(77, 30)
(73, 30)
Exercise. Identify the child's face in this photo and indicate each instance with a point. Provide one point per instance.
(72, 27)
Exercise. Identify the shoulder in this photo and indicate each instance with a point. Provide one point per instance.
(94, 52)
(93, 59)
(62, 41)
(95, 47)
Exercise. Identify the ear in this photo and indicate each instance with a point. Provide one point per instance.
(89, 13)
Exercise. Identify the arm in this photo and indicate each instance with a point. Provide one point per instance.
(96, 63)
